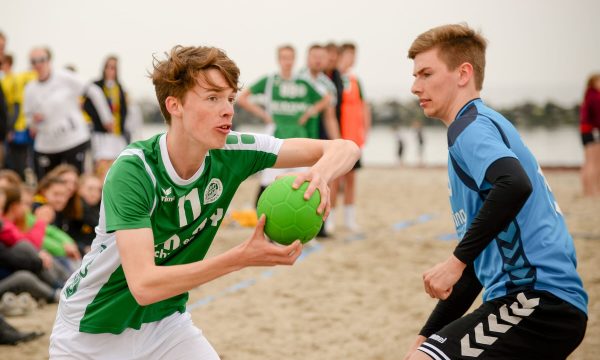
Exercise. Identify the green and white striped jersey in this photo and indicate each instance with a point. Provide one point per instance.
(286, 101)
(142, 190)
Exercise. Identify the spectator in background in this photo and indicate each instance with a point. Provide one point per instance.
(355, 123)
(53, 113)
(590, 136)
(313, 73)
(19, 141)
(90, 193)
(54, 191)
(108, 141)
(3, 124)
(417, 125)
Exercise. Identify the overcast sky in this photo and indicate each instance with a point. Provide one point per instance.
(538, 49)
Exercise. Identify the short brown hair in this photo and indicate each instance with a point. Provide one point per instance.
(591, 80)
(457, 44)
(179, 73)
(347, 47)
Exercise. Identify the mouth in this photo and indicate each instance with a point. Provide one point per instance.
(224, 128)
(423, 102)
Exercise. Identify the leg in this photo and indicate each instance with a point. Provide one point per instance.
(25, 281)
(44, 163)
(509, 328)
(594, 168)
(349, 208)
(76, 156)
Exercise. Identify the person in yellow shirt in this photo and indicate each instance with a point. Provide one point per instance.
(18, 154)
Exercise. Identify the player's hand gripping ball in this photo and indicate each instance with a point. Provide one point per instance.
(289, 216)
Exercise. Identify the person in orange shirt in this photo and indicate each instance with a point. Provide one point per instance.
(355, 123)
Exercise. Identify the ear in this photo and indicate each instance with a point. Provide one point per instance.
(465, 73)
(173, 106)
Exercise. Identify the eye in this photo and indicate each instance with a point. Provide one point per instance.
(231, 99)
(212, 98)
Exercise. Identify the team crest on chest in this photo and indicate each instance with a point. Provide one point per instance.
(213, 191)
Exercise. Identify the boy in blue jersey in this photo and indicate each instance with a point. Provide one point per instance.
(514, 242)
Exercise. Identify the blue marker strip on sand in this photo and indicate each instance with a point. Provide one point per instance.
(408, 223)
(244, 284)
(448, 237)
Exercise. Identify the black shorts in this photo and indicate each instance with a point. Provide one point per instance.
(591, 137)
(528, 325)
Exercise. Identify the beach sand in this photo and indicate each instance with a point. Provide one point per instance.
(352, 297)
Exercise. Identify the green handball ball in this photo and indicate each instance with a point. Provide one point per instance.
(289, 216)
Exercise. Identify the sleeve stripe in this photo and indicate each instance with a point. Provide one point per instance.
(139, 153)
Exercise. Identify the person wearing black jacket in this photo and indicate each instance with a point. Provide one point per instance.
(108, 141)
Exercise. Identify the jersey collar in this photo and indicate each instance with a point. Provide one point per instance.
(468, 105)
(166, 160)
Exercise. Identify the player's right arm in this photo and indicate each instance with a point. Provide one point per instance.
(150, 283)
(128, 200)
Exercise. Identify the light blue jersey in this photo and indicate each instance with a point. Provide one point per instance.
(536, 250)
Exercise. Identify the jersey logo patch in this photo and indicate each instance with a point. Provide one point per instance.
(167, 195)
(213, 191)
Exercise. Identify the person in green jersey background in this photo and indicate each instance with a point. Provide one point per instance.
(291, 106)
(163, 201)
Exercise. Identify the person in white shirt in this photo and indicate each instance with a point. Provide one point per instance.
(53, 112)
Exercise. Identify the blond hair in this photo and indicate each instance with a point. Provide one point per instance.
(182, 69)
(456, 44)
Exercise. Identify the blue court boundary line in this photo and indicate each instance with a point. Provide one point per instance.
(306, 252)
(244, 284)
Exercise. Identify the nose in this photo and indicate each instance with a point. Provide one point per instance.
(228, 109)
(416, 88)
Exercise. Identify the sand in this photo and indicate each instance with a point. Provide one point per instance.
(351, 297)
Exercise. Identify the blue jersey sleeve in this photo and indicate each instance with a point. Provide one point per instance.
(479, 145)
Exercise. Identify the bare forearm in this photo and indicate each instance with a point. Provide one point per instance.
(338, 158)
(156, 283)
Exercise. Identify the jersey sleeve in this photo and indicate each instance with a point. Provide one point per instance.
(478, 147)
(253, 152)
(128, 195)
(260, 86)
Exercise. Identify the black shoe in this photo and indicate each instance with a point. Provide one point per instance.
(11, 336)
(322, 233)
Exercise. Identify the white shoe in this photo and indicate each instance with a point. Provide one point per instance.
(329, 226)
(350, 218)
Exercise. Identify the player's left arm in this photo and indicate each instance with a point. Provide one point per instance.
(510, 190)
(329, 159)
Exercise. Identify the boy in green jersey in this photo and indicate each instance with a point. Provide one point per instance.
(163, 201)
(291, 106)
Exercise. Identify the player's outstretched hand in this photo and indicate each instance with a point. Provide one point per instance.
(258, 251)
(316, 181)
(439, 280)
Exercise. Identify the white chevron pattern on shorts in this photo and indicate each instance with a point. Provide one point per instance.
(495, 327)
(466, 349)
(527, 303)
(504, 315)
(481, 338)
(518, 312)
